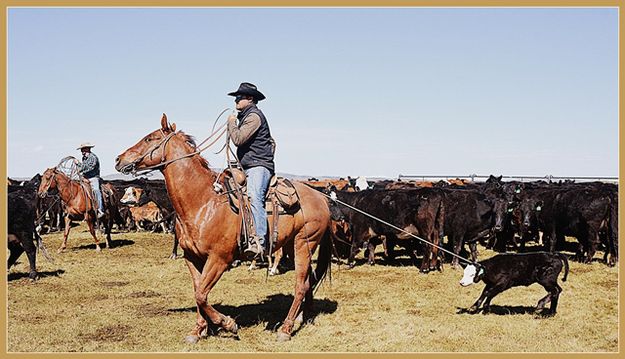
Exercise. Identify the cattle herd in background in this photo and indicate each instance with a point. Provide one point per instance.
(504, 216)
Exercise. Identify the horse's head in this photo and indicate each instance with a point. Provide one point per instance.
(148, 152)
(48, 181)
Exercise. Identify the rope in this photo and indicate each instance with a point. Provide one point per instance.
(399, 229)
(49, 207)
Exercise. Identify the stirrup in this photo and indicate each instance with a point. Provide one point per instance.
(253, 251)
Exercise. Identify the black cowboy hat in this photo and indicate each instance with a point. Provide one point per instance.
(248, 89)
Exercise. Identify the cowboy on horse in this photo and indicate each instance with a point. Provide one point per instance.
(90, 169)
(255, 151)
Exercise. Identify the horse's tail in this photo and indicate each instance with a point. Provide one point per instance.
(324, 258)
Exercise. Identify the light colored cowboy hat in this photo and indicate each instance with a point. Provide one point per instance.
(85, 144)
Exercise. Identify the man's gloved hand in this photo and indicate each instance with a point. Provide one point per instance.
(232, 118)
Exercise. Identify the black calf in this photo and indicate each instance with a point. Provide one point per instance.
(504, 271)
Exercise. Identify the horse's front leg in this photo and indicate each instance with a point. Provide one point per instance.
(201, 326)
(65, 234)
(90, 222)
(211, 273)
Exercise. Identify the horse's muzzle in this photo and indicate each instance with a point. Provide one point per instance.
(125, 169)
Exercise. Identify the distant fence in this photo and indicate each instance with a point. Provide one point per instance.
(482, 178)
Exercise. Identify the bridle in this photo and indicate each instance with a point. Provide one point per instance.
(132, 166)
(53, 178)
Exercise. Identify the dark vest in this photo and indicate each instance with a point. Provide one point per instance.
(258, 150)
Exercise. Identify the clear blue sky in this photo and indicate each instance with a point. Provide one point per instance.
(350, 91)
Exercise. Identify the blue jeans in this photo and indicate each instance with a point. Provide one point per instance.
(257, 184)
(95, 186)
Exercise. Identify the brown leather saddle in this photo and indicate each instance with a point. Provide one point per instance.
(106, 192)
(281, 199)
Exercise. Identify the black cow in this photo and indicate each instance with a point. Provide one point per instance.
(21, 205)
(50, 213)
(469, 217)
(584, 211)
(505, 271)
(49, 210)
(416, 211)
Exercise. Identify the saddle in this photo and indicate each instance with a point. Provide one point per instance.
(106, 192)
(281, 199)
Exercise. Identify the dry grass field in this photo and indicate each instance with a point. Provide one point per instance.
(133, 299)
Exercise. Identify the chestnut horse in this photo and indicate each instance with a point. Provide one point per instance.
(78, 206)
(209, 230)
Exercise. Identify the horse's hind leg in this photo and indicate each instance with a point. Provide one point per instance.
(174, 251)
(276, 262)
(109, 226)
(306, 315)
(303, 261)
(90, 223)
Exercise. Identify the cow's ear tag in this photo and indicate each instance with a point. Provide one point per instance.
(518, 190)
(480, 272)
(538, 208)
(510, 210)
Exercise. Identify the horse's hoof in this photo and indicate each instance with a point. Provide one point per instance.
(98, 249)
(192, 339)
(230, 325)
(173, 256)
(299, 320)
(283, 337)
(60, 250)
(274, 272)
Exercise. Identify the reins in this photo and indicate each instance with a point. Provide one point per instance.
(219, 132)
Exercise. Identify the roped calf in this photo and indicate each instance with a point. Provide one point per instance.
(504, 271)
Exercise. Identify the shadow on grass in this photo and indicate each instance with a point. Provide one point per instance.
(115, 243)
(271, 311)
(17, 276)
(501, 310)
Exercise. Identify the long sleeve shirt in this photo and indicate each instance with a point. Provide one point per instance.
(90, 166)
(241, 134)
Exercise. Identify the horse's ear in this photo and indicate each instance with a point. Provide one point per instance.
(164, 122)
(173, 127)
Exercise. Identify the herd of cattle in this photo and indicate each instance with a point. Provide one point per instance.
(501, 215)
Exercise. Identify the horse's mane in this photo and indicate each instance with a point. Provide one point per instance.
(190, 140)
